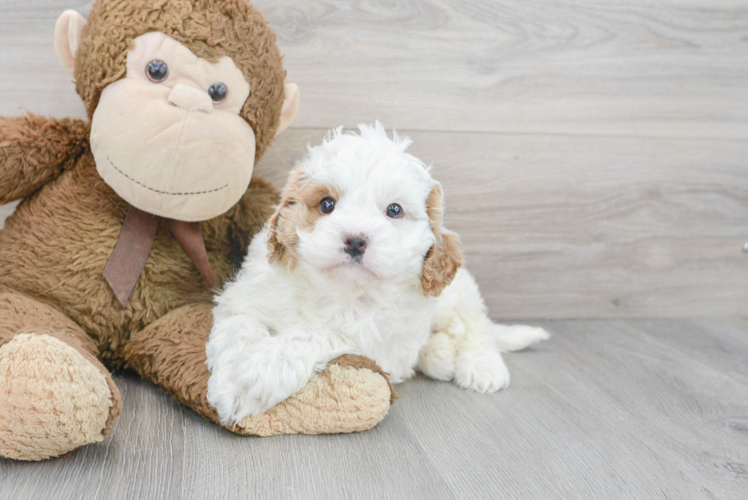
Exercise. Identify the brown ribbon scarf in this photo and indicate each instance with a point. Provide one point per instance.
(134, 244)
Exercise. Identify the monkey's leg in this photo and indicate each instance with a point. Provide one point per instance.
(55, 396)
(351, 395)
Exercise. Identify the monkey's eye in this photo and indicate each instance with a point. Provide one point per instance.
(394, 211)
(327, 205)
(157, 71)
(218, 92)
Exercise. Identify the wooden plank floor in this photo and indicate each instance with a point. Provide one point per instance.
(634, 409)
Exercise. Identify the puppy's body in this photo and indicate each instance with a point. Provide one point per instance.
(304, 296)
(388, 322)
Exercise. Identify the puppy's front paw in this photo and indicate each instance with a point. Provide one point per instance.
(226, 395)
(481, 372)
(236, 394)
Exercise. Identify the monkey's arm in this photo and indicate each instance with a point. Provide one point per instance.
(34, 150)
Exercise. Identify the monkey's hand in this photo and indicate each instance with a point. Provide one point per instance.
(243, 220)
(34, 150)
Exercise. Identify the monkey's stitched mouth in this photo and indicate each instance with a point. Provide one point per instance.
(158, 190)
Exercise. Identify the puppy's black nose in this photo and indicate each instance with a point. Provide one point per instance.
(355, 245)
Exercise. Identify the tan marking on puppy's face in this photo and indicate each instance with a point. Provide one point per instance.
(298, 211)
(445, 256)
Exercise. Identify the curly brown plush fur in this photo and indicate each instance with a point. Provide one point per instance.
(58, 316)
(56, 244)
(36, 150)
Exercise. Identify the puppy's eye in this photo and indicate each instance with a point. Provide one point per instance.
(394, 211)
(157, 71)
(327, 205)
(218, 92)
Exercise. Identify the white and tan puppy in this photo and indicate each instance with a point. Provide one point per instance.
(355, 260)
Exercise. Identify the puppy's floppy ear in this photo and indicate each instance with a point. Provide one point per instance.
(445, 256)
(278, 232)
(275, 247)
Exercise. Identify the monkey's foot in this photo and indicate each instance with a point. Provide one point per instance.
(53, 398)
(351, 395)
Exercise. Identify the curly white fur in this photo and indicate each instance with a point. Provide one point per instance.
(277, 324)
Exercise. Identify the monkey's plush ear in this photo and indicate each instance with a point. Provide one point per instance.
(68, 33)
(444, 258)
(291, 100)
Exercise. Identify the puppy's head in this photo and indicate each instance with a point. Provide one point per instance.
(359, 209)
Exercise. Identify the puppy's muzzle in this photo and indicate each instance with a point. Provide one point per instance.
(355, 246)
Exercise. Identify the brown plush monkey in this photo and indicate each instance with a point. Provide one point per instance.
(125, 219)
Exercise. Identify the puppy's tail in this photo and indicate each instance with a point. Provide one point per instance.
(509, 338)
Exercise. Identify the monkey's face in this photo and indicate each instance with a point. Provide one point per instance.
(168, 137)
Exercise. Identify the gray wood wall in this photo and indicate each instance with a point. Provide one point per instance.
(594, 153)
